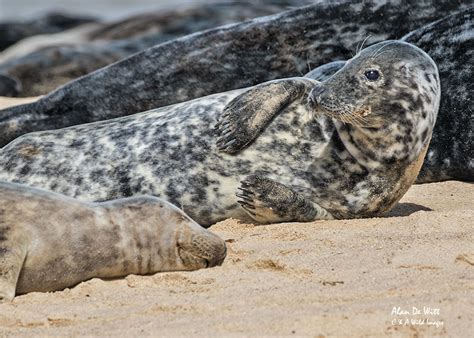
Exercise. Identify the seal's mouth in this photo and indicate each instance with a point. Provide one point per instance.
(357, 116)
(193, 261)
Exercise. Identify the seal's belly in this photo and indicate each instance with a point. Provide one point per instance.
(189, 171)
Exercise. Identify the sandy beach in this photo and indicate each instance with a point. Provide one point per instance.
(363, 278)
(6, 102)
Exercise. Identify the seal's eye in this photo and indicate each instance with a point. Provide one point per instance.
(372, 75)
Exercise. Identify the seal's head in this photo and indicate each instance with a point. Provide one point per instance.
(389, 90)
(165, 234)
(195, 247)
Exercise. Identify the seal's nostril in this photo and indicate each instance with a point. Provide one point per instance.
(219, 254)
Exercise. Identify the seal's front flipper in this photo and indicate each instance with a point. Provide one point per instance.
(267, 201)
(13, 250)
(245, 117)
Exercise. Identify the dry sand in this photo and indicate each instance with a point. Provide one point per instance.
(321, 279)
(6, 102)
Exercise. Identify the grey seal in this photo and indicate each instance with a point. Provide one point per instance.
(9, 86)
(13, 31)
(242, 55)
(49, 242)
(34, 43)
(49, 67)
(355, 160)
(449, 42)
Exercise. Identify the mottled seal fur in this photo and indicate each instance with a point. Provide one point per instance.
(450, 43)
(355, 160)
(46, 69)
(49, 242)
(241, 55)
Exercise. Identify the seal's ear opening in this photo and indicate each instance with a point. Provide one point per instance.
(9, 86)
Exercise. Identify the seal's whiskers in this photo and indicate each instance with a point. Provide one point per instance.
(362, 45)
(381, 48)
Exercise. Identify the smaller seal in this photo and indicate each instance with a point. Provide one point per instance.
(49, 242)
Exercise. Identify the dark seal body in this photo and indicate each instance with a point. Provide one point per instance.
(49, 242)
(353, 162)
(46, 69)
(450, 43)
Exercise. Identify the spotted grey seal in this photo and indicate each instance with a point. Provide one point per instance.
(355, 160)
(241, 55)
(49, 242)
(450, 43)
(51, 66)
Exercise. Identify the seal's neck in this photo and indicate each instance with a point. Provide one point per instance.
(379, 147)
(141, 252)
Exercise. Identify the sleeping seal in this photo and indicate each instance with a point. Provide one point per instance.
(356, 159)
(242, 55)
(49, 242)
